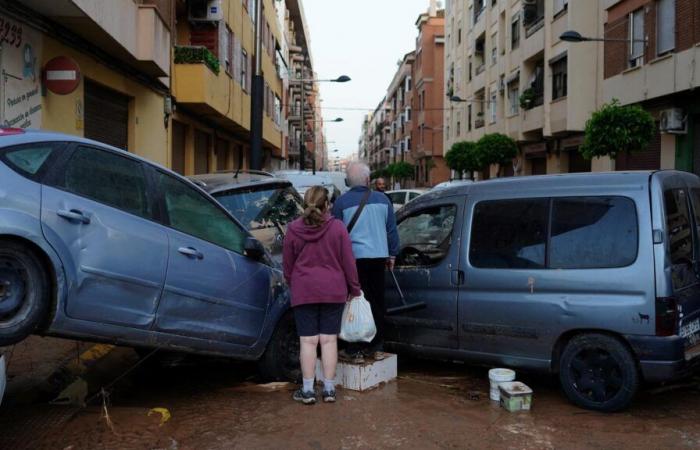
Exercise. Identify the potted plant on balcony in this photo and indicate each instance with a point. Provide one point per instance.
(527, 98)
(615, 129)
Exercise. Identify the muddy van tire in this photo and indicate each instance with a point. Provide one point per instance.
(281, 359)
(599, 372)
(24, 292)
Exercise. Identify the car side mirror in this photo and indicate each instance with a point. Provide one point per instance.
(254, 249)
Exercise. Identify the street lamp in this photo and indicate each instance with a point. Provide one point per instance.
(458, 99)
(303, 81)
(575, 37)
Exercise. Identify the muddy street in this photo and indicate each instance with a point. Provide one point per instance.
(220, 405)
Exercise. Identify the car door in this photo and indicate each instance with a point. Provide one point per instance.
(212, 291)
(97, 213)
(427, 271)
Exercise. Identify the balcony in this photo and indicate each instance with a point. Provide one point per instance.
(134, 33)
(533, 119)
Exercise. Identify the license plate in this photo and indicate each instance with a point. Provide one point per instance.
(690, 329)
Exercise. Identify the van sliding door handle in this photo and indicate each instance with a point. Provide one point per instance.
(457, 277)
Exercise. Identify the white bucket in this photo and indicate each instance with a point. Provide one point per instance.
(496, 377)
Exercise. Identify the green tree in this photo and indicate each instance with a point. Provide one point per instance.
(463, 157)
(401, 171)
(615, 129)
(496, 148)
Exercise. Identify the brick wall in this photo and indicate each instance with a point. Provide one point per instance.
(206, 36)
(616, 52)
(687, 24)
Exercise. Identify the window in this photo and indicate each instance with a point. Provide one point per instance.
(509, 234)
(560, 5)
(559, 78)
(469, 117)
(636, 37)
(494, 53)
(408, 84)
(29, 159)
(193, 214)
(515, 33)
(265, 211)
(493, 106)
(226, 50)
(426, 236)
(107, 178)
(514, 97)
(593, 232)
(680, 239)
(665, 26)
(397, 198)
(244, 70)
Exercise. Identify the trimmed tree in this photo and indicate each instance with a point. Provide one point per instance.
(401, 171)
(496, 148)
(616, 129)
(463, 157)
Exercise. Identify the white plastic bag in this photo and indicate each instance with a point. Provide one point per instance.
(358, 323)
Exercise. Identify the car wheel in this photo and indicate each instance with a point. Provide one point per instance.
(281, 359)
(598, 372)
(24, 293)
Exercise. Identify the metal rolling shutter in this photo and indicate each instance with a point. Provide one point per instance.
(649, 159)
(106, 115)
(577, 163)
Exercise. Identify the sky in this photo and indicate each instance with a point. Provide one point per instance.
(363, 39)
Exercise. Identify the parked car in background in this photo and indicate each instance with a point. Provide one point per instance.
(302, 181)
(450, 184)
(401, 197)
(593, 277)
(98, 244)
(339, 180)
(264, 204)
(3, 377)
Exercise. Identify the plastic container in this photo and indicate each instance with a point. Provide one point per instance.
(515, 396)
(496, 377)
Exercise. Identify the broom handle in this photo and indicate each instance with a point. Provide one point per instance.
(398, 288)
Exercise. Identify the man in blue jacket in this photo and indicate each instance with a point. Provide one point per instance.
(375, 244)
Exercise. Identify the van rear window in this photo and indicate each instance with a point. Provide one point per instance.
(580, 233)
(680, 237)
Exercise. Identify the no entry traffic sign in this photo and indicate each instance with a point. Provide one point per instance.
(61, 75)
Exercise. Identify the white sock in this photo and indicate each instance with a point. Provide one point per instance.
(329, 385)
(308, 384)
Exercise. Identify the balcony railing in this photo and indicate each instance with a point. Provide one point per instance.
(189, 54)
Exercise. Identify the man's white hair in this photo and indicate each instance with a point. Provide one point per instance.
(357, 174)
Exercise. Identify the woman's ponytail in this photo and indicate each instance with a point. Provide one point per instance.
(316, 202)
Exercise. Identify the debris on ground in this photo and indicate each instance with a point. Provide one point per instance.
(74, 395)
(164, 414)
(263, 388)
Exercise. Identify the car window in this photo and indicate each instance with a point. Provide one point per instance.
(509, 234)
(680, 239)
(413, 195)
(29, 159)
(426, 236)
(107, 178)
(593, 232)
(265, 212)
(398, 198)
(192, 213)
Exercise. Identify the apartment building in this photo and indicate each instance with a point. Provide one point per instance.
(212, 76)
(118, 55)
(428, 99)
(654, 64)
(297, 37)
(399, 114)
(508, 72)
(378, 137)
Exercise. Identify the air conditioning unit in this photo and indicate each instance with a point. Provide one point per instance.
(673, 121)
(205, 11)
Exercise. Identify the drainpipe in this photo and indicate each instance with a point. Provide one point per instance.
(257, 96)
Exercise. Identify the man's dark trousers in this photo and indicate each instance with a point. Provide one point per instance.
(371, 274)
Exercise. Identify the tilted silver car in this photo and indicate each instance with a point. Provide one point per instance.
(594, 277)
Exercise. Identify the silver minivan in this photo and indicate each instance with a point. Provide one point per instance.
(594, 277)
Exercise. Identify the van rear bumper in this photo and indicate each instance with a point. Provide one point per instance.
(661, 358)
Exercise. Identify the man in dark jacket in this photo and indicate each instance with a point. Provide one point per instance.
(375, 244)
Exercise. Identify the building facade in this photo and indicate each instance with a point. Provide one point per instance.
(119, 53)
(399, 100)
(658, 74)
(509, 72)
(428, 100)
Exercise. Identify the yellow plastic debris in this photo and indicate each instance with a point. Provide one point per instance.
(164, 414)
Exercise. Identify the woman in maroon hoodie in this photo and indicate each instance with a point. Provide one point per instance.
(320, 269)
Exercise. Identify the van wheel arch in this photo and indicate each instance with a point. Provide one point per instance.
(565, 338)
(49, 270)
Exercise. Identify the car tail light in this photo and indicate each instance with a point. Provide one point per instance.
(667, 316)
(10, 131)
